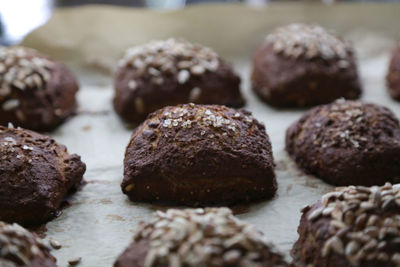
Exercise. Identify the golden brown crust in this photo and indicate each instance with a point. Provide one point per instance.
(353, 226)
(199, 237)
(172, 72)
(177, 153)
(18, 247)
(36, 174)
(36, 92)
(347, 142)
(393, 76)
(303, 65)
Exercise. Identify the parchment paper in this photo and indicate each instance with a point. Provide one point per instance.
(99, 223)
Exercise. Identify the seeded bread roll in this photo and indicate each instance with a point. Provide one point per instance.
(36, 174)
(19, 247)
(302, 65)
(347, 143)
(199, 237)
(199, 155)
(172, 72)
(35, 92)
(393, 76)
(353, 226)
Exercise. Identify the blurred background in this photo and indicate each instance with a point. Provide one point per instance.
(19, 17)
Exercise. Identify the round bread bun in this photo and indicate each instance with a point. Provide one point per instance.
(171, 72)
(19, 247)
(36, 92)
(302, 65)
(199, 155)
(36, 174)
(353, 226)
(347, 143)
(199, 237)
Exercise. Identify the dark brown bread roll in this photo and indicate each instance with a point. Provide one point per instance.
(199, 155)
(19, 247)
(353, 226)
(199, 237)
(36, 92)
(302, 65)
(393, 76)
(347, 142)
(172, 72)
(36, 174)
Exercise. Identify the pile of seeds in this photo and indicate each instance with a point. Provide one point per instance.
(206, 117)
(177, 57)
(17, 246)
(351, 124)
(178, 117)
(198, 237)
(22, 68)
(309, 41)
(364, 223)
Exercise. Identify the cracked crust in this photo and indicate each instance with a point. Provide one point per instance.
(36, 174)
(347, 142)
(177, 153)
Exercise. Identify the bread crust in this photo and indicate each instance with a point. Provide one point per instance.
(347, 142)
(288, 72)
(36, 92)
(205, 78)
(199, 155)
(36, 174)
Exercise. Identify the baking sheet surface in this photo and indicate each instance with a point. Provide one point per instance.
(100, 222)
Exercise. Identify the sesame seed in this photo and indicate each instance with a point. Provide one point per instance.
(139, 105)
(132, 84)
(54, 243)
(25, 147)
(10, 104)
(197, 69)
(315, 214)
(74, 261)
(183, 76)
(194, 94)
(153, 71)
(184, 64)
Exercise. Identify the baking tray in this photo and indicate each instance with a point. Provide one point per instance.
(100, 221)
